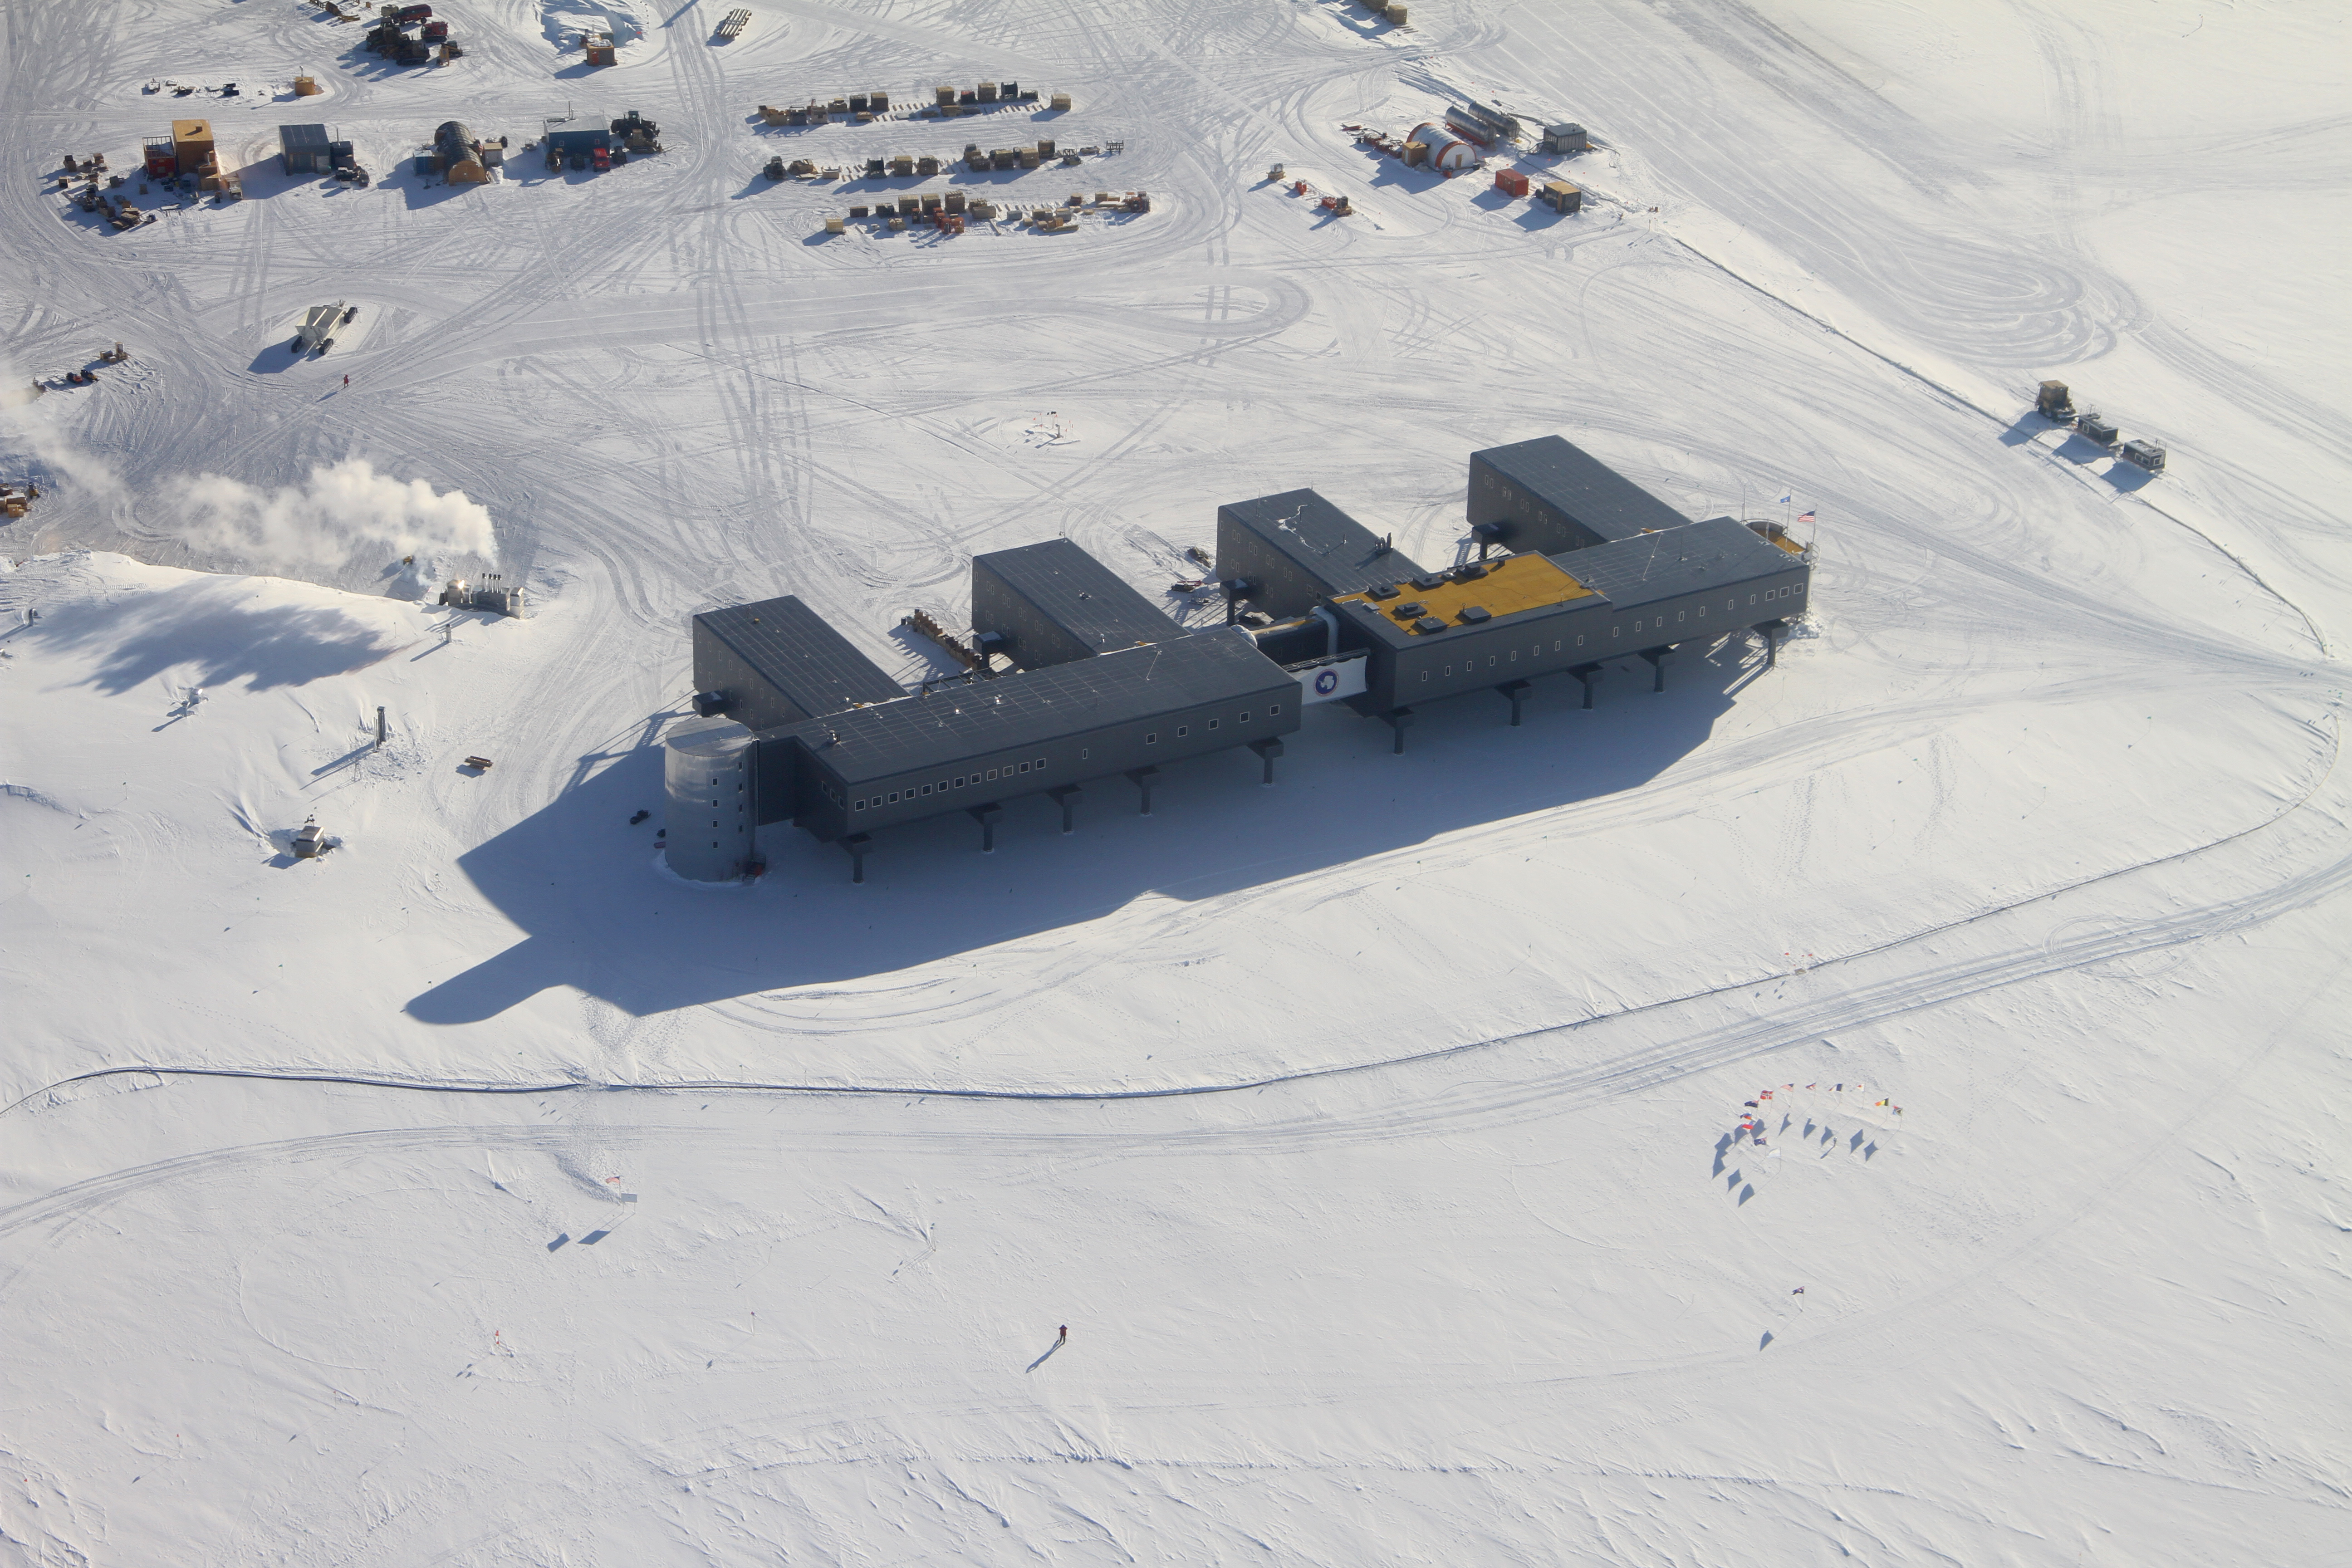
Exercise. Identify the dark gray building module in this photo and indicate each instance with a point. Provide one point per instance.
(1101, 683)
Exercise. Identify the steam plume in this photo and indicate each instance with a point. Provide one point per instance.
(328, 518)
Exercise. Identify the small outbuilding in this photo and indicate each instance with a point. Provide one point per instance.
(1448, 151)
(305, 150)
(459, 155)
(192, 145)
(564, 144)
(1566, 137)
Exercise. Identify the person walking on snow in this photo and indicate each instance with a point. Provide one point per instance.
(1065, 1331)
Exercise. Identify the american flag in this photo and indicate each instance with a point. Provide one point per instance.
(1806, 518)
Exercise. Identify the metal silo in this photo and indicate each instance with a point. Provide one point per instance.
(707, 767)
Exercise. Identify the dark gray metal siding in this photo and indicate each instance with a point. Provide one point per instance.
(1559, 497)
(1034, 730)
(303, 149)
(1056, 603)
(781, 664)
(1301, 549)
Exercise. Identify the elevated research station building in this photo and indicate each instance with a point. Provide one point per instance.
(1078, 679)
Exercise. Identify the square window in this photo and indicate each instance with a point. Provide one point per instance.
(943, 786)
(991, 774)
(1041, 761)
(1245, 715)
(1274, 707)
(1024, 767)
(926, 789)
(861, 806)
(1152, 739)
(1213, 723)
(894, 797)
(1183, 731)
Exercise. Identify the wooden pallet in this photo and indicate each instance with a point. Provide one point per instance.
(732, 27)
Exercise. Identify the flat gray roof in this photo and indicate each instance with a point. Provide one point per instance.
(1037, 707)
(1572, 480)
(790, 646)
(1686, 560)
(1322, 541)
(1079, 594)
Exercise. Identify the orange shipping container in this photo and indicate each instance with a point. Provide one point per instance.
(1511, 180)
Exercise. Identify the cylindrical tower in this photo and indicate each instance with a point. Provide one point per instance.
(709, 766)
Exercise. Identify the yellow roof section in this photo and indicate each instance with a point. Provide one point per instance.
(192, 131)
(1513, 584)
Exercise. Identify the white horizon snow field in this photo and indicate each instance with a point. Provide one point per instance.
(482, 1194)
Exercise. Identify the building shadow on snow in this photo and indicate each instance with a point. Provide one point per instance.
(604, 917)
(222, 638)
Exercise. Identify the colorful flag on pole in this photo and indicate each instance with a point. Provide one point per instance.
(1808, 517)
(1785, 500)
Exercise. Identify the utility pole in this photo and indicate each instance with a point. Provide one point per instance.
(379, 727)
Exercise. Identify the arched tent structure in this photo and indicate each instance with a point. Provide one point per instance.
(461, 160)
(1448, 150)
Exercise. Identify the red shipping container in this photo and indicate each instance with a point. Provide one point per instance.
(1511, 180)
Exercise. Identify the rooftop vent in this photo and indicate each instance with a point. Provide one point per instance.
(1428, 624)
(1473, 614)
(1381, 591)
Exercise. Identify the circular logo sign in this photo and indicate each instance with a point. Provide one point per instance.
(1327, 681)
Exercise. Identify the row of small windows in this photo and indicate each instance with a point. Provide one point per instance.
(1557, 646)
(1152, 737)
(944, 786)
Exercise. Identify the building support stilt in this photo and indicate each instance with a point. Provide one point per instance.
(1401, 719)
(1656, 659)
(1516, 692)
(1142, 779)
(987, 816)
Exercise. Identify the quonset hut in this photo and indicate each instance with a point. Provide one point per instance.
(1098, 683)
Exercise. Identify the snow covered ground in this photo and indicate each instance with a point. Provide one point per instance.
(1373, 1134)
